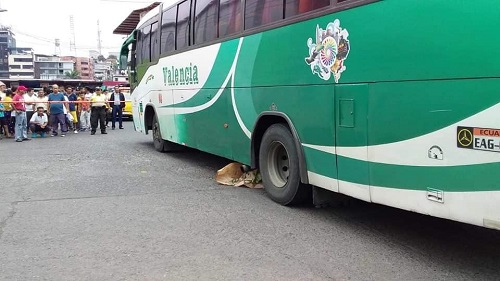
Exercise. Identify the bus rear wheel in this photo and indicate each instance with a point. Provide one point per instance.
(279, 166)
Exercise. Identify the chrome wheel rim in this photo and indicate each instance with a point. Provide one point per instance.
(279, 164)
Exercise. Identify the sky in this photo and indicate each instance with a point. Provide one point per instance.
(37, 23)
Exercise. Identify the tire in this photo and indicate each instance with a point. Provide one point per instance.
(159, 143)
(279, 166)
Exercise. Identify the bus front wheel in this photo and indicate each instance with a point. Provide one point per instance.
(158, 141)
(279, 166)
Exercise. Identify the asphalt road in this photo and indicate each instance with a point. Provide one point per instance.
(109, 207)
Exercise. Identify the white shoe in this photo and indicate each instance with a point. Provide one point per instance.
(76, 132)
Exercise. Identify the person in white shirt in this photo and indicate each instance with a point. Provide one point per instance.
(39, 123)
(2, 90)
(29, 101)
(42, 101)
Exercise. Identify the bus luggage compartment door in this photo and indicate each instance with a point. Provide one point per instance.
(351, 102)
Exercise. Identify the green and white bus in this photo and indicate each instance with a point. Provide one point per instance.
(388, 101)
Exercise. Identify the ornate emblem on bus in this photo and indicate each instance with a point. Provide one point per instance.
(328, 54)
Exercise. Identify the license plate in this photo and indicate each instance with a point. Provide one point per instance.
(485, 139)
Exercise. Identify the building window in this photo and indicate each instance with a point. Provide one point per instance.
(29, 66)
(23, 59)
(15, 66)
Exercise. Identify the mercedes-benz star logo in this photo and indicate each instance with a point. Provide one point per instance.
(465, 137)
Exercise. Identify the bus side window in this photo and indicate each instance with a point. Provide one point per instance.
(168, 30)
(155, 46)
(296, 7)
(205, 21)
(138, 52)
(146, 42)
(229, 17)
(183, 13)
(260, 12)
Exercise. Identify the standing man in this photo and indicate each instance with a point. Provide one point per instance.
(72, 97)
(20, 108)
(117, 103)
(38, 123)
(98, 113)
(42, 101)
(29, 100)
(56, 111)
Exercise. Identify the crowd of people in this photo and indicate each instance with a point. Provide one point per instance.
(24, 112)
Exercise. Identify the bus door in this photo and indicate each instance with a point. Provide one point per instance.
(351, 104)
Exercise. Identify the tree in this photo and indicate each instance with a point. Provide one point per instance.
(112, 57)
(101, 58)
(73, 74)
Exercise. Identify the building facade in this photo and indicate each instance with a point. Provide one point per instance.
(21, 63)
(7, 41)
(52, 67)
(102, 71)
(84, 66)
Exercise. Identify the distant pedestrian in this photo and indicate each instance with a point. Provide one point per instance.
(108, 108)
(7, 110)
(8, 113)
(117, 103)
(42, 100)
(20, 108)
(98, 111)
(29, 100)
(72, 98)
(84, 111)
(56, 111)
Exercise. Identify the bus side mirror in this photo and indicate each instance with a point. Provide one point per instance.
(123, 62)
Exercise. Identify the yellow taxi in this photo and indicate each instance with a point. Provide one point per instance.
(127, 111)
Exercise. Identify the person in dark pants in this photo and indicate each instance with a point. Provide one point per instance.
(98, 111)
(117, 103)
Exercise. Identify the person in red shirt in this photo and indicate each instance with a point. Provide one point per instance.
(19, 107)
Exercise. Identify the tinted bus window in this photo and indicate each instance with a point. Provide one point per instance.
(168, 30)
(183, 25)
(260, 12)
(155, 46)
(205, 21)
(229, 17)
(295, 7)
(138, 52)
(146, 57)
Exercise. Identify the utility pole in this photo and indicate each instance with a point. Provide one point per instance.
(99, 46)
(72, 44)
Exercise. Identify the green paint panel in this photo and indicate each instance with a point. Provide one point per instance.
(352, 108)
(320, 162)
(405, 110)
(467, 178)
(310, 108)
